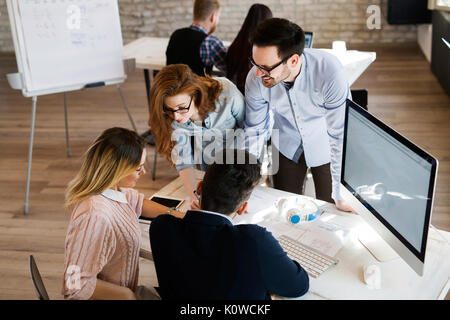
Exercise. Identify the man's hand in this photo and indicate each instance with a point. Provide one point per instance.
(343, 206)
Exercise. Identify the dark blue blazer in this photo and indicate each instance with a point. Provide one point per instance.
(204, 256)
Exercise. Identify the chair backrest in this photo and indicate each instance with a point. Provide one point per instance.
(360, 97)
(37, 280)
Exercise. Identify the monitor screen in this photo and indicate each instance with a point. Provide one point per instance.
(390, 176)
(308, 39)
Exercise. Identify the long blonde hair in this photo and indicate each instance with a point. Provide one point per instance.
(170, 81)
(116, 153)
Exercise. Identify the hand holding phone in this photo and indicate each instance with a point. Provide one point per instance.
(165, 201)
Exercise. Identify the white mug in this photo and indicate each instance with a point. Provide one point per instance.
(339, 46)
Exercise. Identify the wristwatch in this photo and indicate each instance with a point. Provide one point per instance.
(169, 211)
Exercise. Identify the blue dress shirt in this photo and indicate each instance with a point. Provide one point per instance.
(309, 116)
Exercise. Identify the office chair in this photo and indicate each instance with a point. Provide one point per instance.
(360, 97)
(37, 280)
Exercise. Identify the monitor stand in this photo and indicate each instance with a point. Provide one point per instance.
(377, 246)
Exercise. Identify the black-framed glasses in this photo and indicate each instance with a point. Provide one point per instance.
(181, 110)
(265, 70)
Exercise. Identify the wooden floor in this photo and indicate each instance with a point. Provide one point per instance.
(402, 92)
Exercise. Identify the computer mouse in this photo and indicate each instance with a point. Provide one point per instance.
(372, 276)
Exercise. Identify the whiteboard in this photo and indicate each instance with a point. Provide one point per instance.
(64, 45)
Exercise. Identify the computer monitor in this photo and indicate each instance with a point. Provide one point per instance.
(389, 181)
(308, 39)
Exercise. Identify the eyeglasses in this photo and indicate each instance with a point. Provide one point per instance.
(266, 71)
(181, 110)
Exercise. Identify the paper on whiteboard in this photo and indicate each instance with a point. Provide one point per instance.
(324, 235)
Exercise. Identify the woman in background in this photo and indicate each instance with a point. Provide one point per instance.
(185, 107)
(103, 237)
(240, 50)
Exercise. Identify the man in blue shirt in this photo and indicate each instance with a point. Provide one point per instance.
(205, 256)
(301, 93)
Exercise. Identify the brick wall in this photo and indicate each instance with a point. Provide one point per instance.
(329, 19)
(5, 32)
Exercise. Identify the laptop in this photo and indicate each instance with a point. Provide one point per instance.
(308, 39)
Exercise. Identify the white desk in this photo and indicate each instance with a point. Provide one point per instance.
(354, 62)
(345, 281)
(150, 54)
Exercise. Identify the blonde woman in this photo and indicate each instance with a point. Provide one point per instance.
(104, 238)
(186, 109)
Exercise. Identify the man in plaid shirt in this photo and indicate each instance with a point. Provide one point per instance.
(212, 49)
(195, 45)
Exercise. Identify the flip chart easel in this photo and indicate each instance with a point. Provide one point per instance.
(62, 46)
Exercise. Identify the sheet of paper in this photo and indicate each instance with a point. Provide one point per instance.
(260, 200)
(327, 233)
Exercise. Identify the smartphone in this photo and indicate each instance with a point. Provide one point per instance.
(168, 202)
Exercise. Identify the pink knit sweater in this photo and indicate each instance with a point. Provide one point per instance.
(102, 242)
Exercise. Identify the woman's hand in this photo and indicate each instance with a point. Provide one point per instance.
(194, 202)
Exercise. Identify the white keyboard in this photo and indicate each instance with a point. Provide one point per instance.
(314, 262)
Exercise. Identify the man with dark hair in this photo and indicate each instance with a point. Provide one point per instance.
(195, 45)
(302, 93)
(204, 256)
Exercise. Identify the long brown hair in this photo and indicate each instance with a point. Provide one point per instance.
(116, 153)
(170, 81)
(241, 49)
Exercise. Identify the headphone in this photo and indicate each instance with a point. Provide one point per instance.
(302, 211)
(295, 215)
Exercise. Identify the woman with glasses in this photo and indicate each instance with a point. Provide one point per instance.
(192, 117)
(103, 237)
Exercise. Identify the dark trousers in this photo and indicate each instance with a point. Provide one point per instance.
(291, 177)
